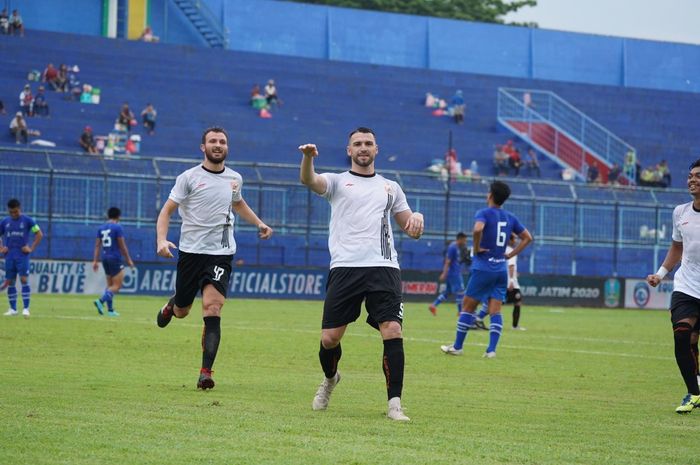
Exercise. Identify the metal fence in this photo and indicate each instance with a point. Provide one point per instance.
(579, 229)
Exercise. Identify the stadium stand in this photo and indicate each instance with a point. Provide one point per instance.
(195, 87)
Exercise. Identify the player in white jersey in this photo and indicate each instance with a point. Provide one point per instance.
(364, 266)
(513, 294)
(206, 197)
(685, 300)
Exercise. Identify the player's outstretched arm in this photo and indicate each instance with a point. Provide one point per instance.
(307, 175)
(244, 211)
(673, 256)
(411, 222)
(163, 245)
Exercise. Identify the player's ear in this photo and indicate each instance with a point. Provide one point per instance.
(347, 150)
(376, 147)
(201, 147)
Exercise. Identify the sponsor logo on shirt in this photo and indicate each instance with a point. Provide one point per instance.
(200, 185)
(349, 184)
(235, 186)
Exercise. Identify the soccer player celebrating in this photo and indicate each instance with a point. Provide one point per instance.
(489, 273)
(364, 265)
(110, 238)
(685, 300)
(14, 237)
(206, 197)
(452, 274)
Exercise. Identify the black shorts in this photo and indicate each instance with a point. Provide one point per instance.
(379, 287)
(513, 296)
(195, 270)
(684, 306)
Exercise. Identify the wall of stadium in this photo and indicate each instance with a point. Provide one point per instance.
(402, 40)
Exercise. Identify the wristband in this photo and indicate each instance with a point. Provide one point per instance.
(662, 272)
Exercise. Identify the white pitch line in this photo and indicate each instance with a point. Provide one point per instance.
(375, 335)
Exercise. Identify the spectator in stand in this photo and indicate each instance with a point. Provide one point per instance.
(271, 93)
(41, 106)
(593, 175)
(87, 141)
(4, 22)
(62, 82)
(19, 129)
(665, 173)
(147, 35)
(630, 166)
(16, 24)
(500, 161)
(458, 107)
(614, 174)
(452, 165)
(26, 100)
(533, 164)
(148, 115)
(514, 161)
(50, 76)
(126, 116)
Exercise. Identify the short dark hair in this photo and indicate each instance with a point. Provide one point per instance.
(114, 213)
(213, 129)
(363, 130)
(500, 192)
(461, 235)
(695, 164)
(13, 203)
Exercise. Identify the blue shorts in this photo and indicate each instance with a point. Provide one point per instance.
(112, 266)
(16, 266)
(454, 285)
(484, 285)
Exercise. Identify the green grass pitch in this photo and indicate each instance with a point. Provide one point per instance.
(580, 386)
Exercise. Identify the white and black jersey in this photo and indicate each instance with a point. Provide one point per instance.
(686, 229)
(360, 225)
(204, 201)
(513, 261)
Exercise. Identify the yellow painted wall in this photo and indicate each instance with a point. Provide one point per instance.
(138, 13)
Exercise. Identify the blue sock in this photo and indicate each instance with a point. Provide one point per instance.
(26, 293)
(440, 299)
(12, 296)
(495, 329)
(484, 310)
(463, 323)
(460, 299)
(107, 297)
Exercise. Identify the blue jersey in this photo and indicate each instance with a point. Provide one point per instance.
(498, 226)
(15, 233)
(108, 233)
(452, 255)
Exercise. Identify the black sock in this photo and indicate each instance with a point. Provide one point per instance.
(392, 363)
(694, 348)
(516, 315)
(685, 357)
(210, 340)
(329, 359)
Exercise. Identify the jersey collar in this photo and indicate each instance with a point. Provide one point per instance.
(362, 175)
(212, 172)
